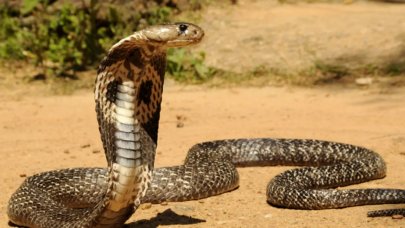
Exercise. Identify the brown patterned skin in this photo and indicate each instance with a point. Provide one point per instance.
(128, 94)
(209, 169)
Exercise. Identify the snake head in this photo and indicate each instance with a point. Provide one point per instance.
(174, 35)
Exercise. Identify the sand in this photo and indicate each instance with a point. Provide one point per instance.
(41, 133)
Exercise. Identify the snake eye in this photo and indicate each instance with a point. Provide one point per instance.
(183, 27)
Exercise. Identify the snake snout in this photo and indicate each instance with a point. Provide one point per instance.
(174, 35)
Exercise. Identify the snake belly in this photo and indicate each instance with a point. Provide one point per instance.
(128, 94)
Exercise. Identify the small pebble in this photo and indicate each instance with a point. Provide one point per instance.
(397, 217)
(146, 206)
(180, 121)
(164, 203)
(85, 146)
(268, 216)
(66, 151)
(201, 201)
(364, 81)
(23, 175)
(96, 151)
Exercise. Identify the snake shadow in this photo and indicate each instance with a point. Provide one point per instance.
(168, 217)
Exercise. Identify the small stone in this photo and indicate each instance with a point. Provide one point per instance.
(201, 201)
(180, 121)
(146, 206)
(164, 203)
(66, 151)
(85, 146)
(397, 217)
(268, 215)
(23, 175)
(95, 151)
(364, 81)
(38, 77)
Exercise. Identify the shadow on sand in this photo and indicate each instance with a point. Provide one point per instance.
(168, 217)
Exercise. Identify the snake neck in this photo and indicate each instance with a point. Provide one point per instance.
(128, 95)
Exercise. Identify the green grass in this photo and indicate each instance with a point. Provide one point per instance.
(59, 46)
(322, 72)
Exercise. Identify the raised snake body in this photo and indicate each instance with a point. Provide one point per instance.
(128, 94)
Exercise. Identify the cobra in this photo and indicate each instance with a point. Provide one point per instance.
(128, 94)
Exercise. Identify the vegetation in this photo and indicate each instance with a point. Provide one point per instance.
(320, 73)
(186, 66)
(63, 37)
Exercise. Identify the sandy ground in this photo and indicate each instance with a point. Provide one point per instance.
(44, 133)
(39, 133)
(291, 37)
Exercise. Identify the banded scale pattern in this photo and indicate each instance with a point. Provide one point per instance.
(128, 94)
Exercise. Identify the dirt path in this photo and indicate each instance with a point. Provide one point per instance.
(292, 37)
(44, 133)
(39, 133)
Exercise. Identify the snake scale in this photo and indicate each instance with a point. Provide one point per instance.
(128, 94)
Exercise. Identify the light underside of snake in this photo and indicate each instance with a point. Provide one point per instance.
(128, 94)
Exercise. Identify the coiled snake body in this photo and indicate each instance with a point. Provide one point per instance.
(128, 94)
